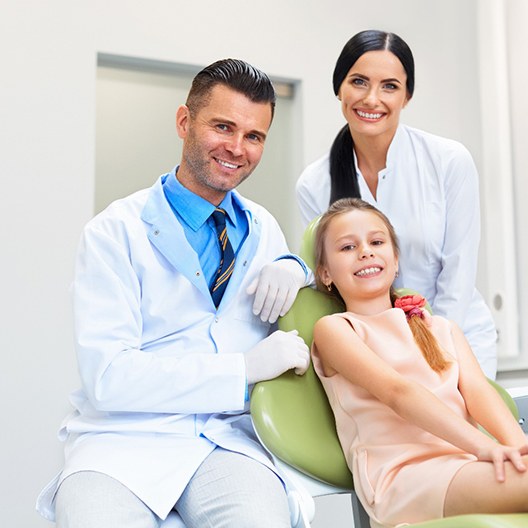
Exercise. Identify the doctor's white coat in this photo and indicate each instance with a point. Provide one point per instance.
(162, 370)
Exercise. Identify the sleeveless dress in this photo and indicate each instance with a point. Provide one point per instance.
(401, 472)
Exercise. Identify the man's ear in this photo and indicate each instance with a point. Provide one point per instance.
(183, 116)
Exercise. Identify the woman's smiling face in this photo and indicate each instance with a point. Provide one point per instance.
(373, 94)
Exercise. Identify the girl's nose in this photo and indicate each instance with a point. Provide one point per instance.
(365, 251)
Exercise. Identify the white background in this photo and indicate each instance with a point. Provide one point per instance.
(47, 157)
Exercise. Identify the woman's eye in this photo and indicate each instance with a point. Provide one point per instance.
(358, 82)
(390, 86)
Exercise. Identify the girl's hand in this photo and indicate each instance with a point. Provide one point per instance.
(498, 454)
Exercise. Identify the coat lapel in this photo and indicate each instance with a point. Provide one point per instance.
(167, 236)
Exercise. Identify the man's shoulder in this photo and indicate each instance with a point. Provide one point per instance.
(121, 211)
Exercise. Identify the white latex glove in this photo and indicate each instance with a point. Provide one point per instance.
(276, 287)
(279, 352)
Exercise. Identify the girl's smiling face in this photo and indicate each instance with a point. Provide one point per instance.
(360, 260)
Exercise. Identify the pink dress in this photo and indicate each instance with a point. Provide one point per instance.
(401, 472)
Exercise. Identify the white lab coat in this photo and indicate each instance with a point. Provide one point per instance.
(163, 372)
(429, 191)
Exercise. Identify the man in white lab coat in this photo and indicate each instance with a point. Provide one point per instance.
(161, 422)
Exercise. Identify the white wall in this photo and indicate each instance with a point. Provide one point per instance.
(47, 143)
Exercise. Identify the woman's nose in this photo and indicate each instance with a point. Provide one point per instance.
(371, 97)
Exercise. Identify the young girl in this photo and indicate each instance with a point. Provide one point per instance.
(405, 388)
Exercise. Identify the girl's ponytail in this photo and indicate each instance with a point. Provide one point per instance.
(417, 317)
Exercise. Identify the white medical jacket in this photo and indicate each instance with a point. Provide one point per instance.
(429, 191)
(162, 370)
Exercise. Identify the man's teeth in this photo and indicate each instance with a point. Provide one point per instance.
(227, 164)
(368, 116)
(367, 271)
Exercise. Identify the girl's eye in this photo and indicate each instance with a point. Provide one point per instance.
(377, 242)
(348, 247)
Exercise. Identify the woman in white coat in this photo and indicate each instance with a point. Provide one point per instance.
(425, 184)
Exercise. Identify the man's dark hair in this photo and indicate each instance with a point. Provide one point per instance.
(235, 74)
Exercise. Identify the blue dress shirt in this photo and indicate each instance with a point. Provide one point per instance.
(194, 214)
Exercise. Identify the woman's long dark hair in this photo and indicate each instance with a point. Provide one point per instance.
(343, 175)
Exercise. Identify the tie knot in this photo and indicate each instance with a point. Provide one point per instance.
(219, 217)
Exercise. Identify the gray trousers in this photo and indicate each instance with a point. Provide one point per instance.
(227, 490)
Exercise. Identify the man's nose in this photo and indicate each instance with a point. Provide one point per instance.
(235, 144)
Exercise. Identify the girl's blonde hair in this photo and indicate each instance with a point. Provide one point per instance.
(423, 337)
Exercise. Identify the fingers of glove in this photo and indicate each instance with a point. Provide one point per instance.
(284, 340)
(288, 301)
(293, 270)
(303, 363)
(263, 287)
(268, 304)
(273, 307)
(260, 289)
(252, 288)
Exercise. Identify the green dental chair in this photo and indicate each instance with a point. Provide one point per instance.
(294, 421)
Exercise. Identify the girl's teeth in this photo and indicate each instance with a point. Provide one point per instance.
(367, 271)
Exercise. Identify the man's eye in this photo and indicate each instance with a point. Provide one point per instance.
(222, 127)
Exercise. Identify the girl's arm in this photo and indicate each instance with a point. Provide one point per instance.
(341, 350)
(483, 402)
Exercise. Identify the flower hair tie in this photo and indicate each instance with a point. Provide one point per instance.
(413, 306)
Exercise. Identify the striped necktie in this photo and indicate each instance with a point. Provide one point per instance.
(227, 258)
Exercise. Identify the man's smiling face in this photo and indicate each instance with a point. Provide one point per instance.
(222, 143)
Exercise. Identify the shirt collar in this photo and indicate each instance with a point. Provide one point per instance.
(394, 147)
(193, 209)
(392, 153)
